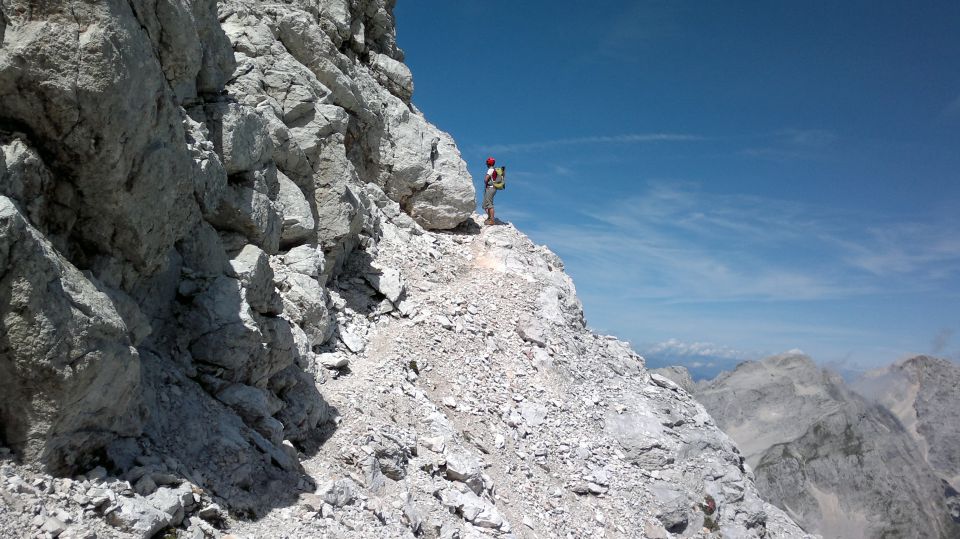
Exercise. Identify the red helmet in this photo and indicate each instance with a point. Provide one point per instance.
(491, 161)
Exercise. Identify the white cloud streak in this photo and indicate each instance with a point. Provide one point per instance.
(792, 144)
(675, 347)
(952, 108)
(677, 244)
(930, 251)
(631, 138)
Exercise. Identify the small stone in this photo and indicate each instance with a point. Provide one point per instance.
(211, 513)
(168, 500)
(312, 501)
(444, 322)
(333, 360)
(19, 486)
(412, 518)
(74, 533)
(354, 342)
(97, 497)
(145, 486)
(338, 493)
(450, 402)
(595, 488)
(601, 477)
(326, 510)
(464, 468)
(135, 473)
(137, 516)
(97, 474)
(54, 526)
(165, 479)
(653, 530)
(435, 444)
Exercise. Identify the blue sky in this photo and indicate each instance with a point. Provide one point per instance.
(724, 180)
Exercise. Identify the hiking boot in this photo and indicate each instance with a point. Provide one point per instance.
(489, 222)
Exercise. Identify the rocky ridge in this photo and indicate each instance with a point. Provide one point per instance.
(179, 181)
(924, 392)
(839, 464)
(476, 403)
(227, 304)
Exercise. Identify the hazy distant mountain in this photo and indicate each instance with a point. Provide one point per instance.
(703, 368)
(699, 367)
(840, 465)
(924, 394)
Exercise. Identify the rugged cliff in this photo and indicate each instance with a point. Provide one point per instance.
(839, 464)
(924, 393)
(224, 278)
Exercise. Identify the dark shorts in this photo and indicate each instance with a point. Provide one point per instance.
(488, 197)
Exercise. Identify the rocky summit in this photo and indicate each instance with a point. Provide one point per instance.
(840, 464)
(243, 294)
(924, 393)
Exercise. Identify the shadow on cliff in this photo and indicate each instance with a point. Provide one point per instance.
(208, 427)
(466, 228)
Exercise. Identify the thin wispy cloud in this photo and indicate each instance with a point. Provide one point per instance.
(926, 250)
(655, 267)
(680, 244)
(941, 340)
(792, 144)
(633, 34)
(807, 137)
(952, 108)
(630, 138)
(676, 347)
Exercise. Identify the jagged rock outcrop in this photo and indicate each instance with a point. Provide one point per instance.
(234, 269)
(678, 375)
(839, 465)
(924, 393)
(179, 181)
(473, 397)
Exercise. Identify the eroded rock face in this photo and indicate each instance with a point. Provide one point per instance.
(64, 336)
(923, 393)
(839, 465)
(160, 161)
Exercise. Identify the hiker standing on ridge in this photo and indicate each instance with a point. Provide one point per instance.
(492, 182)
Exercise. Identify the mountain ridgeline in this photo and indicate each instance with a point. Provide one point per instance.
(875, 460)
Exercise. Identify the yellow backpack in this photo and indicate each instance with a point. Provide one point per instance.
(499, 178)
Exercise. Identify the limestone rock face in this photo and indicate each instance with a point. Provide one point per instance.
(678, 375)
(923, 392)
(159, 162)
(85, 84)
(62, 334)
(839, 465)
